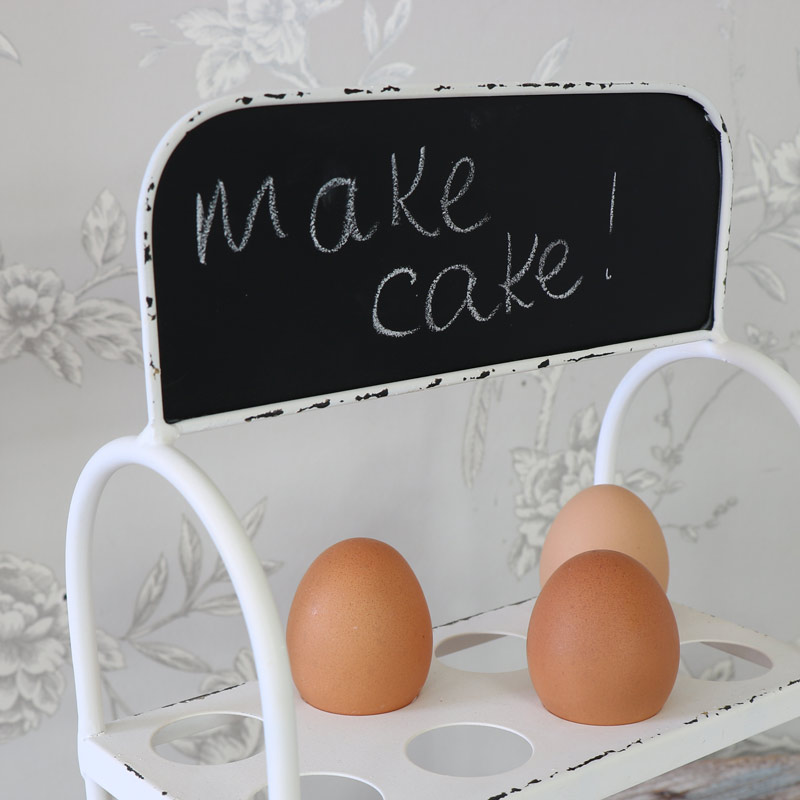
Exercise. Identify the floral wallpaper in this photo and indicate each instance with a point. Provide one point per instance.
(273, 36)
(35, 645)
(41, 318)
(507, 454)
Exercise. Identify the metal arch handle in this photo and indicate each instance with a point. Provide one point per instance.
(739, 355)
(247, 576)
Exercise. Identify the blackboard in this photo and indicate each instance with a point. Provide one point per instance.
(300, 249)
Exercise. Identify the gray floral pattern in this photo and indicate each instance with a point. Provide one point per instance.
(34, 645)
(7, 50)
(236, 740)
(40, 317)
(208, 593)
(777, 189)
(272, 35)
(547, 478)
(51, 319)
(206, 590)
(34, 641)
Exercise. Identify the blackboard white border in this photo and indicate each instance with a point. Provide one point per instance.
(201, 114)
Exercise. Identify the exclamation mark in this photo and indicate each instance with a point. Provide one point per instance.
(611, 214)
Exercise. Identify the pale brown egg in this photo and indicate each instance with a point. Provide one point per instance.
(603, 645)
(359, 631)
(605, 517)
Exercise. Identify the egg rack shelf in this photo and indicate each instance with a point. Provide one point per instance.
(554, 758)
(200, 375)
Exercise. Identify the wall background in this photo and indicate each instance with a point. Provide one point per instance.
(463, 481)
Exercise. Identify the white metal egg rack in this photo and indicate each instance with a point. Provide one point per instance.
(559, 759)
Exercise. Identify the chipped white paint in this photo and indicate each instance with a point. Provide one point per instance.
(567, 759)
(351, 230)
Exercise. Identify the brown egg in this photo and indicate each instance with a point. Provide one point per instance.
(359, 631)
(605, 517)
(603, 646)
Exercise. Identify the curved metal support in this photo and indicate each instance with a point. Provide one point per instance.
(249, 582)
(738, 355)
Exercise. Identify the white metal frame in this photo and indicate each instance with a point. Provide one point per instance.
(746, 358)
(117, 756)
(244, 567)
(173, 137)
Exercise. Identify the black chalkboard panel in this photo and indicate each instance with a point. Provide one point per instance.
(300, 249)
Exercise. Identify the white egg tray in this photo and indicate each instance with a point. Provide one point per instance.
(473, 722)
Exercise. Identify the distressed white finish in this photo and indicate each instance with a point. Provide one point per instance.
(198, 117)
(478, 471)
(264, 626)
(118, 756)
(572, 760)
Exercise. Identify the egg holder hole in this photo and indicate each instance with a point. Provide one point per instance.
(466, 750)
(186, 740)
(182, 742)
(440, 744)
(335, 787)
(330, 787)
(483, 652)
(461, 750)
(469, 750)
(503, 652)
(723, 661)
(475, 750)
(472, 750)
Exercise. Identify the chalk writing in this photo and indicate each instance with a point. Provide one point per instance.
(336, 200)
(467, 302)
(205, 219)
(311, 250)
(376, 322)
(337, 197)
(434, 324)
(611, 209)
(399, 202)
(349, 224)
(545, 279)
(611, 215)
(512, 280)
(448, 201)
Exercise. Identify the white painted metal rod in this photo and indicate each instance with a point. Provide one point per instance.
(248, 578)
(738, 355)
